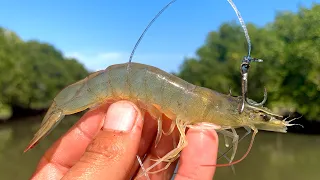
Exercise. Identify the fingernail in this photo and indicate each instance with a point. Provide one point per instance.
(120, 116)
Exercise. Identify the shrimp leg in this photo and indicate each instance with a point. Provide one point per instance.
(159, 133)
(235, 142)
(245, 135)
(170, 129)
(173, 154)
(226, 141)
(156, 114)
(235, 138)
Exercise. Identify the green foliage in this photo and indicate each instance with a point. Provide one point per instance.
(290, 48)
(32, 73)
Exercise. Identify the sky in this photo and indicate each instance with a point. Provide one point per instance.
(102, 33)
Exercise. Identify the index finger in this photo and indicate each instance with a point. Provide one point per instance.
(68, 149)
(202, 149)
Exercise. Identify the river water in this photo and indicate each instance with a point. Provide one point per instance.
(274, 156)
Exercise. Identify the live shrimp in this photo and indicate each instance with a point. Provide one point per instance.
(159, 92)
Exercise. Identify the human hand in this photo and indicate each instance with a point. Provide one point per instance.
(104, 143)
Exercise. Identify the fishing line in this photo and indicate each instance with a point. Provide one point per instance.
(146, 29)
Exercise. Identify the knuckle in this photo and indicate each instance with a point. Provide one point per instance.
(104, 150)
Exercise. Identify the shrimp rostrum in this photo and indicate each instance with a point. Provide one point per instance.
(158, 92)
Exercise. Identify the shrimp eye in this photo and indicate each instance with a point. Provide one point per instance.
(265, 117)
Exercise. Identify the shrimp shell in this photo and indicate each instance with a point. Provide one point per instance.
(159, 92)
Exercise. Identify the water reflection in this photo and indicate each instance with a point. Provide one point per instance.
(15, 136)
(277, 156)
(274, 156)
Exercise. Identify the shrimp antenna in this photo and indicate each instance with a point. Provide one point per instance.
(146, 29)
(245, 65)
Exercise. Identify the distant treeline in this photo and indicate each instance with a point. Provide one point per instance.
(290, 48)
(32, 73)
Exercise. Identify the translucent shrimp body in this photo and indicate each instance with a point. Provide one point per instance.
(158, 92)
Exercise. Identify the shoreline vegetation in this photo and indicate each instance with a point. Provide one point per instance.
(33, 72)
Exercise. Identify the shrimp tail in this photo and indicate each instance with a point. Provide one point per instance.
(50, 121)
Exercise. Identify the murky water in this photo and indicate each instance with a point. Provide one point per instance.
(274, 156)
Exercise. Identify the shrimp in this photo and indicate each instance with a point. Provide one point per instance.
(159, 92)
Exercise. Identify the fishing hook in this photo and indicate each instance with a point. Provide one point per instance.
(244, 68)
(245, 65)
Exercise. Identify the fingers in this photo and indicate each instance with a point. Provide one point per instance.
(112, 152)
(67, 150)
(87, 152)
(202, 150)
(147, 138)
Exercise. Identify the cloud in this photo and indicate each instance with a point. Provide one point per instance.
(97, 61)
(100, 60)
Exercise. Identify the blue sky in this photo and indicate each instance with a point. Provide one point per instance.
(101, 33)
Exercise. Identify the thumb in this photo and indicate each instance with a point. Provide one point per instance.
(113, 151)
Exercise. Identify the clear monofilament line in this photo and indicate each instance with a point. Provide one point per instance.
(244, 27)
(142, 168)
(146, 29)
